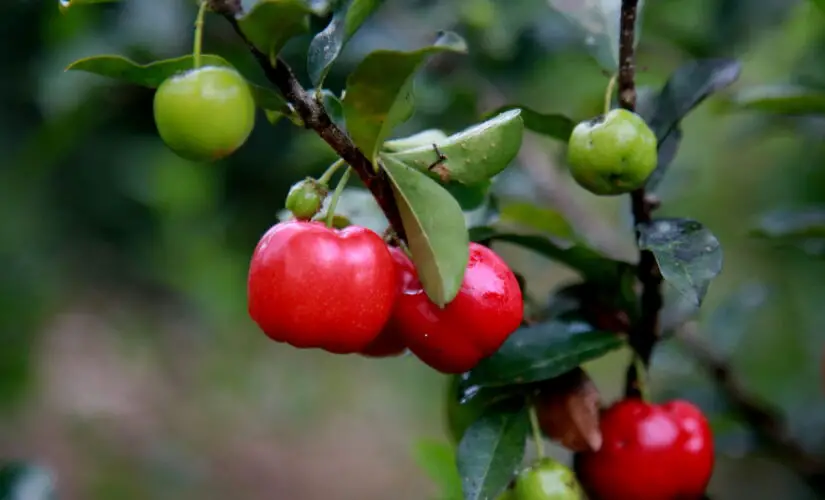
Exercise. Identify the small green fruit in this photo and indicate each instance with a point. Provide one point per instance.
(305, 198)
(547, 479)
(204, 114)
(612, 154)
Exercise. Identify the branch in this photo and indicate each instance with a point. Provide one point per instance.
(316, 118)
(768, 425)
(645, 332)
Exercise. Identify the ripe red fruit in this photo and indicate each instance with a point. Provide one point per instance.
(487, 309)
(315, 287)
(650, 452)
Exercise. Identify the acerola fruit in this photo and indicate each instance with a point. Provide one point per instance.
(547, 479)
(487, 309)
(315, 287)
(204, 114)
(649, 452)
(612, 154)
(305, 198)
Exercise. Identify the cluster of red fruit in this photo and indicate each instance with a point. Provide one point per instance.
(347, 291)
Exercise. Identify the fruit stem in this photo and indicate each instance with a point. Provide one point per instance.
(641, 373)
(608, 94)
(537, 439)
(325, 178)
(196, 50)
(337, 194)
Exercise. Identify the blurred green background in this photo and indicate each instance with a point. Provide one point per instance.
(128, 365)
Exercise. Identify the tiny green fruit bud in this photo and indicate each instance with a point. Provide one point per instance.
(612, 154)
(547, 479)
(305, 198)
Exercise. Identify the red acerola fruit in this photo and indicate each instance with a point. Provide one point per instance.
(650, 452)
(487, 309)
(316, 287)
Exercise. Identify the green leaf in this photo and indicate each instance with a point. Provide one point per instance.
(553, 125)
(469, 197)
(541, 352)
(327, 45)
(437, 459)
(153, 74)
(491, 450)
(473, 155)
(269, 24)
(334, 108)
(688, 254)
(379, 91)
(598, 21)
(436, 232)
(782, 99)
(548, 221)
(20, 481)
(423, 138)
(590, 263)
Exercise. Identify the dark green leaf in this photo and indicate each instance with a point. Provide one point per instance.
(782, 99)
(423, 138)
(437, 459)
(668, 147)
(153, 74)
(491, 451)
(19, 481)
(552, 125)
(334, 107)
(469, 197)
(327, 45)
(548, 221)
(801, 223)
(379, 91)
(473, 155)
(541, 352)
(269, 24)
(436, 232)
(688, 254)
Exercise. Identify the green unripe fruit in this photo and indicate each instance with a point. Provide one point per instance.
(305, 199)
(204, 114)
(547, 479)
(612, 154)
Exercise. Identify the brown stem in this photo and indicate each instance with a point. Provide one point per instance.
(315, 117)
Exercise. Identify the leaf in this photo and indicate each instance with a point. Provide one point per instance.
(782, 99)
(437, 459)
(472, 156)
(153, 74)
(688, 254)
(334, 108)
(327, 45)
(590, 263)
(491, 450)
(436, 232)
(546, 220)
(269, 24)
(20, 481)
(541, 352)
(553, 125)
(469, 197)
(568, 411)
(668, 147)
(808, 222)
(599, 23)
(423, 138)
(379, 91)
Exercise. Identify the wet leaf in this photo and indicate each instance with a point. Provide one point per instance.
(379, 91)
(541, 352)
(782, 99)
(568, 411)
(553, 125)
(463, 407)
(491, 450)
(423, 138)
(153, 74)
(21, 481)
(474, 155)
(436, 231)
(688, 254)
(327, 45)
(269, 24)
(437, 459)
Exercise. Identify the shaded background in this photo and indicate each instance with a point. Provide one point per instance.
(128, 364)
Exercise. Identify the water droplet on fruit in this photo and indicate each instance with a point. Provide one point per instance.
(469, 393)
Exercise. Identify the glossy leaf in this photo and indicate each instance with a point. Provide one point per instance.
(782, 99)
(437, 459)
(599, 24)
(473, 155)
(553, 125)
(541, 352)
(688, 254)
(491, 451)
(153, 74)
(269, 24)
(327, 45)
(20, 481)
(436, 231)
(424, 138)
(379, 91)
(548, 221)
